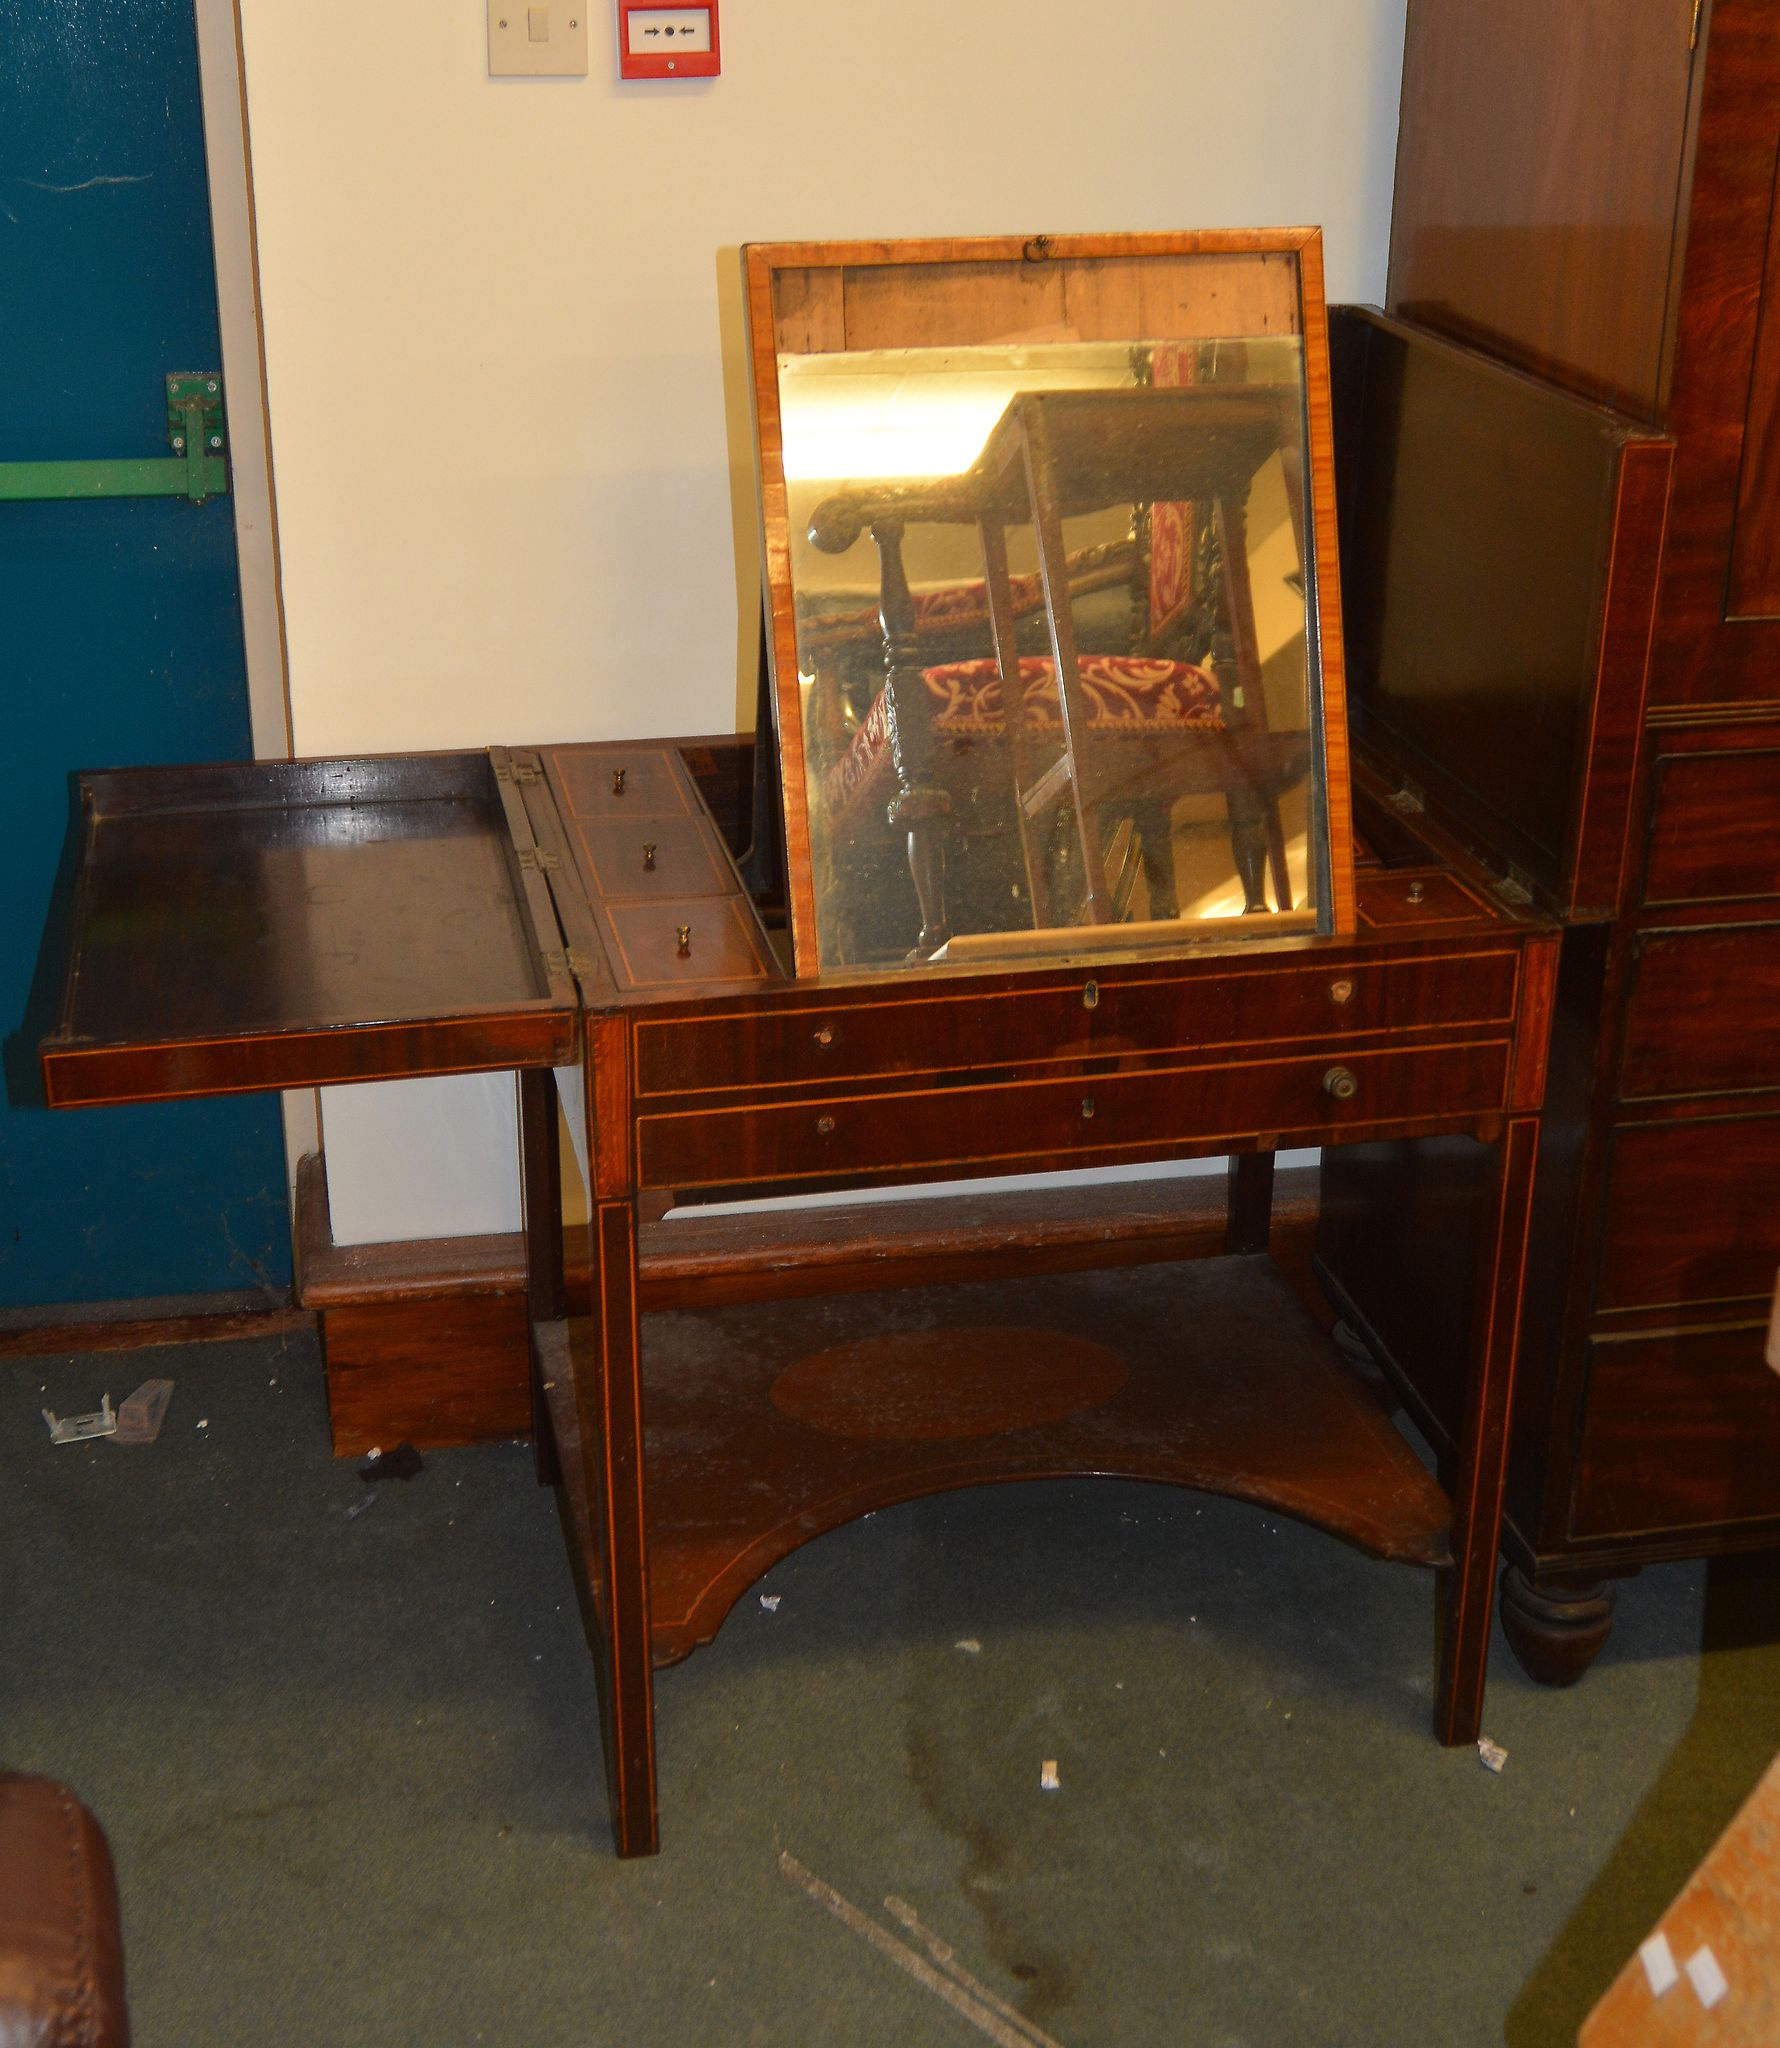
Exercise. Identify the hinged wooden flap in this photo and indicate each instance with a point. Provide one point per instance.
(282, 924)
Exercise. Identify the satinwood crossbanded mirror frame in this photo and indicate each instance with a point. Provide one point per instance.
(1050, 565)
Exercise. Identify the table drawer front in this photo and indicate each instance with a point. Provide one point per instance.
(1082, 1018)
(1693, 1213)
(1702, 1013)
(651, 857)
(936, 1130)
(1713, 833)
(1682, 1431)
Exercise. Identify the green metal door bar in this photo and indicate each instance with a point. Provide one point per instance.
(197, 469)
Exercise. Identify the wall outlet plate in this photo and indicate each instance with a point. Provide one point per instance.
(548, 40)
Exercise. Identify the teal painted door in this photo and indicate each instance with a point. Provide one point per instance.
(120, 628)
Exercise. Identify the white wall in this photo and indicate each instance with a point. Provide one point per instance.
(504, 348)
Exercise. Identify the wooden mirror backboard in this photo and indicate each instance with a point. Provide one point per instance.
(1050, 562)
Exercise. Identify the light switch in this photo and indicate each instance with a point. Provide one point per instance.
(548, 41)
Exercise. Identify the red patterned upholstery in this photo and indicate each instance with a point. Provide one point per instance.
(1129, 696)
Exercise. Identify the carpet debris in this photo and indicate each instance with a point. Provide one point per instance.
(401, 1463)
(1048, 1780)
(1491, 1755)
(81, 1429)
(770, 1602)
(969, 1645)
(140, 1415)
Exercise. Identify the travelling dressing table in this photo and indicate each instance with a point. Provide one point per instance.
(1071, 879)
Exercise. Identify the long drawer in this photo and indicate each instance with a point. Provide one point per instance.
(921, 1130)
(1715, 827)
(1702, 1014)
(1073, 1018)
(1693, 1213)
(1681, 1431)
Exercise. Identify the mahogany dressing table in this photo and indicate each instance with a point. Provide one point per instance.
(576, 914)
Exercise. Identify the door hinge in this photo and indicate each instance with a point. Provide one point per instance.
(535, 857)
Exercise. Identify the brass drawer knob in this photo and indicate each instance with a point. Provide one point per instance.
(683, 932)
(1087, 1107)
(1341, 991)
(825, 1126)
(649, 855)
(825, 1034)
(1341, 1083)
(617, 781)
(1091, 995)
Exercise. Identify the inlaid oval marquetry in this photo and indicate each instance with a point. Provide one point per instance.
(921, 1386)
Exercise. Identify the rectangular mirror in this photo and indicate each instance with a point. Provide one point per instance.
(1050, 563)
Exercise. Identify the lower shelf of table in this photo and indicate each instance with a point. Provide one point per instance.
(770, 1423)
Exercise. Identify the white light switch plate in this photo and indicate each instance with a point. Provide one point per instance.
(537, 41)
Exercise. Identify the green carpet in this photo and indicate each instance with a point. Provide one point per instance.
(350, 1766)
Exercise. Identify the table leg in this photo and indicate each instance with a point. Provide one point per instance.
(1248, 1218)
(540, 1176)
(1481, 1467)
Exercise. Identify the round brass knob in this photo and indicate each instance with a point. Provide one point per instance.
(683, 932)
(617, 781)
(825, 1125)
(1341, 991)
(1416, 892)
(1341, 1083)
(1087, 1107)
(824, 1034)
(649, 855)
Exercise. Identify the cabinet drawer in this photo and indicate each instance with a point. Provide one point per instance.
(1078, 1018)
(1693, 1213)
(920, 1131)
(1682, 1431)
(1702, 1013)
(722, 942)
(1715, 828)
(649, 857)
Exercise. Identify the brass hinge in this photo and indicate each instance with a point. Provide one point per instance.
(579, 963)
(538, 860)
(556, 961)
(523, 771)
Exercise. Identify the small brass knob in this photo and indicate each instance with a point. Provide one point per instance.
(617, 781)
(649, 855)
(824, 1034)
(1090, 995)
(1416, 892)
(1341, 1084)
(683, 932)
(825, 1126)
(1341, 991)
(1087, 1107)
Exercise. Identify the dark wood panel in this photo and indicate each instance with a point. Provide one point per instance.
(1086, 1120)
(1700, 659)
(1499, 550)
(141, 1325)
(1539, 161)
(1715, 827)
(1755, 544)
(1085, 1016)
(445, 1370)
(1702, 1012)
(1682, 1431)
(1693, 1213)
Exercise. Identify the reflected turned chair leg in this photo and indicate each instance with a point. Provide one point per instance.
(1481, 1466)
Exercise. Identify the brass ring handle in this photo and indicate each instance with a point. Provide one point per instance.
(649, 855)
(1341, 1083)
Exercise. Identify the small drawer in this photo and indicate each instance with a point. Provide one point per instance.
(1715, 828)
(649, 857)
(1088, 1016)
(1701, 1018)
(617, 782)
(1392, 899)
(1693, 1213)
(1681, 1431)
(683, 941)
(922, 1131)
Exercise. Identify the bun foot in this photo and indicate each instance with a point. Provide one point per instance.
(1558, 1633)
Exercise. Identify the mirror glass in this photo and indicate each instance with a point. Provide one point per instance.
(1054, 609)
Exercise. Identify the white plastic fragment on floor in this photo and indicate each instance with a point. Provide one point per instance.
(770, 1602)
(1658, 1958)
(969, 1645)
(1048, 1780)
(81, 1429)
(1707, 1979)
(1491, 1755)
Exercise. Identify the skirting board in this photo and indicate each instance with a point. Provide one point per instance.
(426, 1342)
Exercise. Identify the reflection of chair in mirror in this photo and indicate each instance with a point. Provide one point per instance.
(1098, 743)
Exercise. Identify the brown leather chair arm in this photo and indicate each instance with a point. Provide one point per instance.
(61, 1951)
